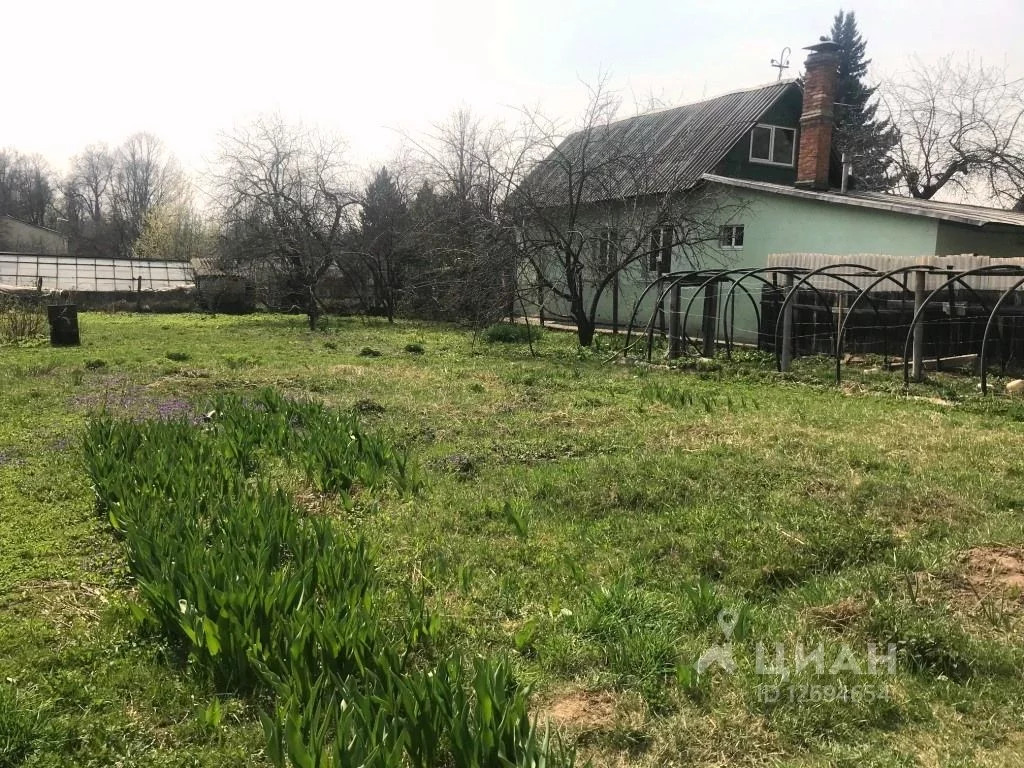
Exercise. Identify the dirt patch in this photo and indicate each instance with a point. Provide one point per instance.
(348, 370)
(932, 400)
(839, 615)
(995, 569)
(62, 602)
(315, 504)
(582, 710)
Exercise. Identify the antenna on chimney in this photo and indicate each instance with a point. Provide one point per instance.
(782, 62)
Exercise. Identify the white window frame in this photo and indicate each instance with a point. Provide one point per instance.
(771, 146)
(659, 266)
(732, 229)
(606, 251)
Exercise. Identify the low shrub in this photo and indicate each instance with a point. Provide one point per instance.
(179, 357)
(369, 352)
(414, 349)
(20, 320)
(511, 333)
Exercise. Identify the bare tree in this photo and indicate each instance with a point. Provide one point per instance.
(92, 173)
(601, 206)
(144, 175)
(87, 201)
(961, 128)
(173, 232)
(27, 190)
(462, 238)
(284, 208)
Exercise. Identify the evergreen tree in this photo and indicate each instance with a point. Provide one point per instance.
(384, 231)
(859, 132)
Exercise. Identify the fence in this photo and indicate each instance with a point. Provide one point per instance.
(947, 309)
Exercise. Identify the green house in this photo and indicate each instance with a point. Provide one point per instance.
(725, 182)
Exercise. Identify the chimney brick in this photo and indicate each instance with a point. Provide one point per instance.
(816, 120)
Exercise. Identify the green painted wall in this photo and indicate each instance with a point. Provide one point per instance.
(776, 224)
(961, 238)
(785, 112)
(781, 224)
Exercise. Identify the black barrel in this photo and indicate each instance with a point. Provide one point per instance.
(63, 325)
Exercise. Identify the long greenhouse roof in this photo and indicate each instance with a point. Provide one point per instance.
(85, 274)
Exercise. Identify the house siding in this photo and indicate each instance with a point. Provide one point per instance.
(25, 238)
(961, 238)
(777, 224)
(780, 224)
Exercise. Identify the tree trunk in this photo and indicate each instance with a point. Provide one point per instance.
(584, 330)
(312, 310)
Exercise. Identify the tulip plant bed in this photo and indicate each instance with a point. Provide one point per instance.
(262, 599)
(232, 541)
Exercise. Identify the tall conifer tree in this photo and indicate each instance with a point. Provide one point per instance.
(859, 132)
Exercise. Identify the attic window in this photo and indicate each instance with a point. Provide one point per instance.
(772, 144)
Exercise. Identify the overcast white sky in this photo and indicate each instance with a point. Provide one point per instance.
(78, 72)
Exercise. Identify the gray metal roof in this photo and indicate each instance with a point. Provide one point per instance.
(30, 224)
(652, 153)
(974, 215)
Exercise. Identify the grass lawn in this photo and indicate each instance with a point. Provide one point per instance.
(603, 525)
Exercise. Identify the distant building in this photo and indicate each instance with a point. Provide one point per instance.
(21, 237)
(220, 290)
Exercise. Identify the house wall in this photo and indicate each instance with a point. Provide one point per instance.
(961, 238)
(779, 224)
(772, 224)
(25, 238)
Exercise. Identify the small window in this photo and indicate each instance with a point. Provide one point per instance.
(606, 250)
(772, 144)
(761, 143)
(730, 237)
(660, 256)
(782, 146)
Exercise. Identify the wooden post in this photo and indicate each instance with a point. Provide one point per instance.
(661, 310)
(710, 324)
(840, 310)
(615, 304)
(954, 326)
(675, 336)
(917, 369)
(787, 325)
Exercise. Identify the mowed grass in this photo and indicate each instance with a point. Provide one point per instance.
(588, 519)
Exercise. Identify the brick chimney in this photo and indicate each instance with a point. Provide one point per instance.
(821, 74)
